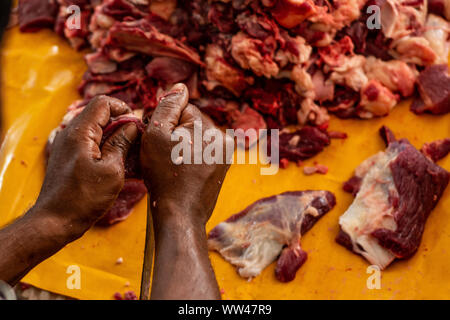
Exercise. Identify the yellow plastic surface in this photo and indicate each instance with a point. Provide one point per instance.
(40, 76)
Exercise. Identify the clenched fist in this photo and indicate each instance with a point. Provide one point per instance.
(83, 179)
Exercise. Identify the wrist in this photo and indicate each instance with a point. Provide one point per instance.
(170, 215)
(56, 226)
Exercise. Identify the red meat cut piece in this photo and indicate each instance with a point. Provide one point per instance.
(247, 119)
(142, 36)
(290, 13)
(434, 89)
(395, 192)
(301, 144)
(132, 192)
(37, 14)
(169, 70)
(270, 227)
(436, 150)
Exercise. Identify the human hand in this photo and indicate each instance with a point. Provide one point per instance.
(83, 179)
(185, 192)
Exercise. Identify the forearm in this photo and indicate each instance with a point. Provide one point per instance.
(182, 269)
(28, 241)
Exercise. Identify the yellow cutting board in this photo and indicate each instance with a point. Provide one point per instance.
(40, 74)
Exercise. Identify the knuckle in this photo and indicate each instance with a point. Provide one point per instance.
(120, 141)
(70, 136)
(101, 99)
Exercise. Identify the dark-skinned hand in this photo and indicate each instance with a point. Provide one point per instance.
(194, 188)
(83, 180)
(183, 197)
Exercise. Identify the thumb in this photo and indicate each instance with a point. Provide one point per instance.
(168, 112)
(117, 145)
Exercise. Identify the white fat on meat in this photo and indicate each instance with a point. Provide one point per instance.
(350, 73)
(376, 100)
(415, 50)
(396, 75)
(437, 35)
(253, 241)
(310, 112)
(399, 20)
(283, 56)
(304, 85)
(371, 208)
(245, 51)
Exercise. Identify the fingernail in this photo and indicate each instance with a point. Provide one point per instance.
(175, 90)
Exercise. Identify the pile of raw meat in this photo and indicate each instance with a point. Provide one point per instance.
(256, 63)
(261, 63)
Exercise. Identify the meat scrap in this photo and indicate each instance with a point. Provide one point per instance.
(36, 14)
(269, 228)
(434, 89)
(436, 150)
(142, 36)
(395, 192)
(318, 168)
(301, 144)
(134, 188)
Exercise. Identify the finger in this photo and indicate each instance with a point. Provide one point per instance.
(192, 114)
(115, 149)
(168, 112)
(96, 115)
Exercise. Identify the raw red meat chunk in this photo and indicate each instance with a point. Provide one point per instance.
(36, 14)
(268, 229)
(434, 89)
(395, 192)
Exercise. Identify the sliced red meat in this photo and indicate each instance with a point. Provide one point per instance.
(290, 13)
(255, 237)
(247, 119)
(434, 89)
(120, 9)
(141, 36)
(264, 101)
(221, 16)
(396, 190)
(436, 150)
(98, 62)
(37, 14)
(132, 192)
(260, 27)
(301, 144)
(169, 70)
